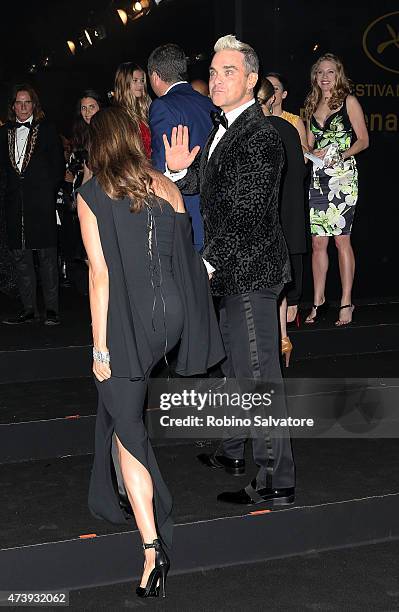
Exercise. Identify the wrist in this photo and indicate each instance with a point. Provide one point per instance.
(101, 356)
(100, 346)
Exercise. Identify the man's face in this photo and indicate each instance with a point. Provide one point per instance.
(23, 106)
(229, 86)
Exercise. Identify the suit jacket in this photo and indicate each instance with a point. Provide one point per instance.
(292, 192)
(30, 193)
(181, 105)
(239, 202)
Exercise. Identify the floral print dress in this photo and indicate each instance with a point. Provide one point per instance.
(333, 191)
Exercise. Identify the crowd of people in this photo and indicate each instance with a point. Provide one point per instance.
(334, 122)
(188, 205)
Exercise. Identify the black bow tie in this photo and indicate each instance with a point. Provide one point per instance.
(27, 125)
(219, 118)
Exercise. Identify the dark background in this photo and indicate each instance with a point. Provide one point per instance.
(283, 32)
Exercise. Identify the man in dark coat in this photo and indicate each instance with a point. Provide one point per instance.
(238, 176)
(177, 102)
(31, 158)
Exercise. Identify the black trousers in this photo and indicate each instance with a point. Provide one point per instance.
(293, 289)
(26, 277)
(250, 331)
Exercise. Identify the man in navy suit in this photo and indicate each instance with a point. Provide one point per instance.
(177, 103)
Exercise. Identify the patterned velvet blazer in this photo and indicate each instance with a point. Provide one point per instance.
(239, 188)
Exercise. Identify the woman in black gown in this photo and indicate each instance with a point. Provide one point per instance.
(148, 290)
(292, 207)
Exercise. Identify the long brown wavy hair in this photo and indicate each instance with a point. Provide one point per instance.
(116, 157)
(124, 97)
(342, 86)
(38, 114)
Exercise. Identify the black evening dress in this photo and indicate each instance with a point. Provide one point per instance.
(158, 295)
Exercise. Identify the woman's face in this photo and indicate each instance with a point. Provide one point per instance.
(326, 75)
(137, 85)
(88, 108)
(279, 92)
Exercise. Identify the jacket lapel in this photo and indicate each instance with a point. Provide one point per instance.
(231, 134)
(30, 146)
(205, 153)
(12, 134)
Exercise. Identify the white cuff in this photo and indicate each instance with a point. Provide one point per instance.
(210, 269)
(174, 176)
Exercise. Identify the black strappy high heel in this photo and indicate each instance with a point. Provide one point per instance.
(340, 323)
(320, 310)
(159, 573)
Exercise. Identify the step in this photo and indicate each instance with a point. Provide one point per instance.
(54, 418)
(35, 352)
(347, 494)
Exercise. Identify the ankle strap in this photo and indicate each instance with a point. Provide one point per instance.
(154, 544)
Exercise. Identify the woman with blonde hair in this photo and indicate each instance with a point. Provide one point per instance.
(148, 290)
(336, 132)
(132, 95)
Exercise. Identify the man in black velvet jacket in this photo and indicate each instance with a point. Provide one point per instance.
(238, 176)
(32, 160)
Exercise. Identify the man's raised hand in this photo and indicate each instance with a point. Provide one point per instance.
(177, 154)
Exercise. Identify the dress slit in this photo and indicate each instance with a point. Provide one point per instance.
(104, 495)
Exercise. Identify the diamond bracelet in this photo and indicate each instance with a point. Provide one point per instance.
(101, 356)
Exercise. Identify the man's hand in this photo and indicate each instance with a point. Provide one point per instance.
(177, 153)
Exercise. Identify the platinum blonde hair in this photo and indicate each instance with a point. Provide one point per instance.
(230, 42)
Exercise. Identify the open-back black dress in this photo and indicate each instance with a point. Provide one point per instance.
(158, 296)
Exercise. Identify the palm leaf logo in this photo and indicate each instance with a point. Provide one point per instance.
(394, 40)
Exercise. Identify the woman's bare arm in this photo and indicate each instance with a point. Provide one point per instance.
(356, 118)
(98, 284)
(165, 188)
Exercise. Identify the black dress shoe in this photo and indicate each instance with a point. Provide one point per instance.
(231, 466)
(52, 318)
(250, 496)
(23, 317)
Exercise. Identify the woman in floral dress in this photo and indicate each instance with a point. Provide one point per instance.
(336, 133)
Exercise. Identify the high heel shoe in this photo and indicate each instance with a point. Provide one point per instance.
(286, 349)
(341, 323)
(296, 322)
(320, 309)
(158, 574)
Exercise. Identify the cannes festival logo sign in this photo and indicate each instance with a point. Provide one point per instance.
(381, 42)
